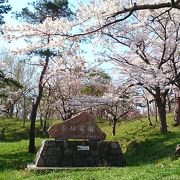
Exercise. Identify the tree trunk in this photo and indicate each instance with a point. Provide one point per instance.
(24, 112)
(17, 113)
(2, 134)
(162, 118)
(156, 112)
(45, 125)
(24, 122)
(11, 111)
(161, 105)
(35, 106)
(177, 112)
(169, 104)
(148, 113)
(41, 120)
(32, 147)
(114, 127)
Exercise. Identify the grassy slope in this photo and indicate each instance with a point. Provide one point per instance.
(150, 155)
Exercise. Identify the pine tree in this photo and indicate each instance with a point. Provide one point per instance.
(4, 9)
(40, 10)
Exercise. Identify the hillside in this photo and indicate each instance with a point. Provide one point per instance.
(149, 154)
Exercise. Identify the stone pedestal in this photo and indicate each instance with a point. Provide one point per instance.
(57, 153)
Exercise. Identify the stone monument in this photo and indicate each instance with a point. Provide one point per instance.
(79, 142)
(81, 126)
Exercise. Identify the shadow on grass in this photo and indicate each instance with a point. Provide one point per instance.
(152, 150)
(149, 151)
(15, 161)
(21, 134)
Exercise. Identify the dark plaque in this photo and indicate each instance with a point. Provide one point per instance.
(81, 126)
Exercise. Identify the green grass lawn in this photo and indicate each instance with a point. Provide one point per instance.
(149, 154)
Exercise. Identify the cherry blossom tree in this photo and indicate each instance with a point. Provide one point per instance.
(115, 102)
(148, 55)
(17, 69)
(177, 108)
(103, 17)
(145, 58)
(142, 101)
(97, 15)
(42, 43)
(120, 104)
(65, 77)
(10, 85)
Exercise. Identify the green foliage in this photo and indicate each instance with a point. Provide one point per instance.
(43, 9)
(4, 9)
(104, 77)
(92, 90)
(149, 154)
(96, 87)
(6, 81)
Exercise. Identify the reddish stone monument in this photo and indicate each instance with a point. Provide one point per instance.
(80, 126)
(90, 151)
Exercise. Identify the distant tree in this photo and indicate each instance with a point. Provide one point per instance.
(7, 84)
(7, 81)
(24, 73)
(95, 83)
(4, 81)
(118, 107)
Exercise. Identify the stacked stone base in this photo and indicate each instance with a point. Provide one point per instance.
(53, 153)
